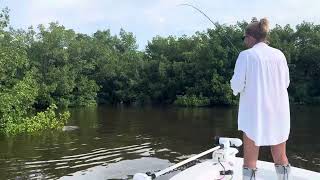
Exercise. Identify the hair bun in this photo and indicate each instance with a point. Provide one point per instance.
(258, 29)
(264, 25)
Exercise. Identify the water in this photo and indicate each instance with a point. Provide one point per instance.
(114, 143)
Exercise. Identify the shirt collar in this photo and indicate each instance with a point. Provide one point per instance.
(260, 44)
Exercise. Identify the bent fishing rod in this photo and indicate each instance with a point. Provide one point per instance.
(215, 25)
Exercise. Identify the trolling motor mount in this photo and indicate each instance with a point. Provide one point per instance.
(142, 176)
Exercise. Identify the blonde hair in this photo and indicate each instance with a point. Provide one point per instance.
(258, 29)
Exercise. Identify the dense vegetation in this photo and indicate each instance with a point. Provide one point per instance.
(56, 66)
(20, 86)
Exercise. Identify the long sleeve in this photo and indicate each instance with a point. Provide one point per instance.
(287, 76)
(238, 80)
(286, 70)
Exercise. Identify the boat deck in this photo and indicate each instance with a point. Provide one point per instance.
(266, 171)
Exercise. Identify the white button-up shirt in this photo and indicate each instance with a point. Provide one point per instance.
(261, 76)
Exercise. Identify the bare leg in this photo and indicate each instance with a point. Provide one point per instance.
(250, 152)
(280, 159)
(250, 157)
(279, 154)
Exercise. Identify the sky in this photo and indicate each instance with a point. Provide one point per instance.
(149, 18)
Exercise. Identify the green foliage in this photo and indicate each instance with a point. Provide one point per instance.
(46, 120)
(18, 99)
(198, 65)
(302, 50)
(222, 93)
(4, 18)
(19, 87)
(64, 67)
(192, 101)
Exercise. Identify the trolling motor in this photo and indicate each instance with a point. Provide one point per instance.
(226, 154)
(142, 176)
(223, 153)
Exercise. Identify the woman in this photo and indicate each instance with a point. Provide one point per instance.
(261, 76)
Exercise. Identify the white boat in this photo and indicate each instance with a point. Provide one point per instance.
(266, 171)
(225, 166)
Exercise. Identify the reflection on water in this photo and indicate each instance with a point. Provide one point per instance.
(115, 143)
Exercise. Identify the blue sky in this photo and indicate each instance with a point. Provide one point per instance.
(148, 18)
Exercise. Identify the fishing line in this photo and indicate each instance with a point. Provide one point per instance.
(215, 24)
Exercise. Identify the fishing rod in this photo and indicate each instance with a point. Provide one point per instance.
(150, 176)
(215, 25)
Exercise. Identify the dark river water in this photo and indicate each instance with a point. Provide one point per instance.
(116, 142)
